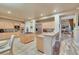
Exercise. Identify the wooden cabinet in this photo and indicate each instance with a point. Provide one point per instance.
(40, 44)
(26, 38)
(5, 36)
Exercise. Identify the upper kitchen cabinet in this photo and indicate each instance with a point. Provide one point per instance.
(45, 25)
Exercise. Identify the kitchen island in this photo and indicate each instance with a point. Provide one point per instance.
(46, 42)
(24, 38)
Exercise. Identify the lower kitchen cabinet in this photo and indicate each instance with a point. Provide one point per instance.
(40, 44)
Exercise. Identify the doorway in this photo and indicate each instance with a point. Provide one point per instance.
(67, 26)
(66, 29)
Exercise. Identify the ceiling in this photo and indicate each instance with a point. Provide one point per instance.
(22, 11)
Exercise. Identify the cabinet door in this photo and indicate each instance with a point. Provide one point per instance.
(40, 45)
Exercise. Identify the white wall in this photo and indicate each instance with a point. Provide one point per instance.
(57, 22)
(33, 26)
(76, 30)
(28, 25)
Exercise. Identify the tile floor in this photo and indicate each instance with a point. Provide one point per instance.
(67, 47)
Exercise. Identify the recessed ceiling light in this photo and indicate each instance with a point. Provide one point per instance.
(77, 8)
(9, 12)
(54, 10)
(41, 14)
(29, 17)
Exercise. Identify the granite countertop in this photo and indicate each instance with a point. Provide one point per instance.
(50, 34)
(47, 34)
(40, 35)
